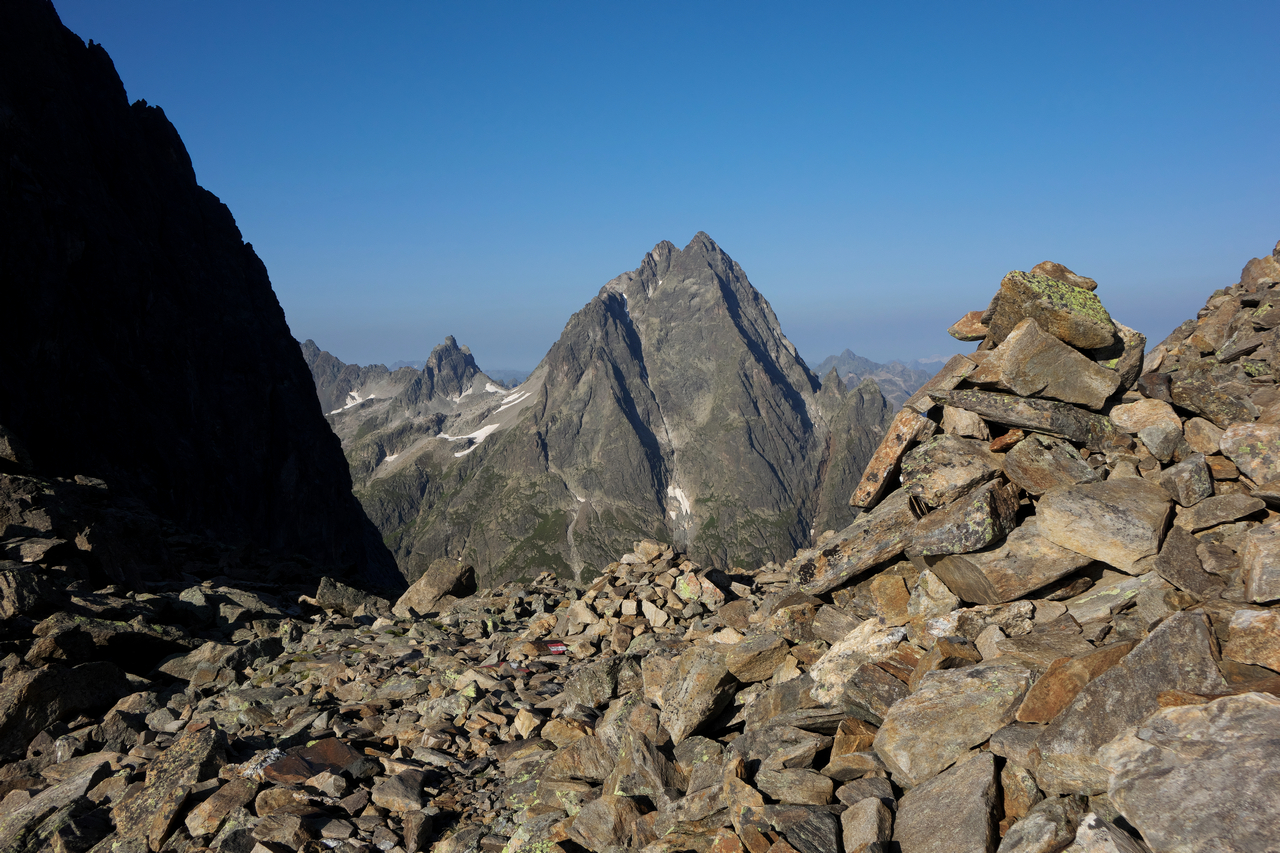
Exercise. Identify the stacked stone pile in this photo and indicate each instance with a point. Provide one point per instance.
(1053, 628)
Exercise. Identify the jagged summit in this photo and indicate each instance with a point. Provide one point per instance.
(672, 406)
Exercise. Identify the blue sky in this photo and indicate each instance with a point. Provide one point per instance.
(413, 170)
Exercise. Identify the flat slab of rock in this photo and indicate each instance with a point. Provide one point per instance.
(1040, 463)
(946, 466)
(1032, 363)
(1118, 522)
(952, 812)
(1177, 655)
(1219, 509)
(1059, 419)
(1065, 678)
(1201, 777)
(957, 368)
(1039, 649)
(1179, 564)
(1111, 594)
(1071, 314)
(951, 712)
(970, 523)
(906, 428)
(874, 538)
(1024, 562)
(969, 327)
(755, 658)
(1059, 272)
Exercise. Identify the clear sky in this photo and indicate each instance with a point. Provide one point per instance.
(417, 169)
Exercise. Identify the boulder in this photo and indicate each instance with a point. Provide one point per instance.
(1188, 482)
(952, 812)
(1201, 777)
(1118, 522)
(1040, 463)
(970, 523)
(875, 537)
(1031, 363)
(908, 426)
(701, 688)
(1023, 562)
(35, 699)
(1047, 416)
(349, 601)
(1178, 655)
(871, 642)
(947, 466)
(1254, 638)
(1140, 414)
(951, 712)
(1059, 272)
(1049, 827)
(1260, 563)
(1069, 313)
(444, 577)
(1219, 509)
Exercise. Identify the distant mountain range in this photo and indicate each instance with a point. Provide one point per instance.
(897, 380)
(672, 407)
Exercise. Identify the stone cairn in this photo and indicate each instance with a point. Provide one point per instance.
(1053, 628)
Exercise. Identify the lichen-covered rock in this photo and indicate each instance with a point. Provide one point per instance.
(1071, 314)
(970, 523)
(945, 467)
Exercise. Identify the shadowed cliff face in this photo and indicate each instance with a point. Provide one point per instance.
(672, 407)
(143, 343)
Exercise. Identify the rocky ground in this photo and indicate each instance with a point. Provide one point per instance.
(1054, 628)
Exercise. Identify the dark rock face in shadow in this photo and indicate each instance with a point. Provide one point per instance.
(142, 341)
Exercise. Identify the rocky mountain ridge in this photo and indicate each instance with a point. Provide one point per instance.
(143, 342)
(672, 407)
(1057, 628)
